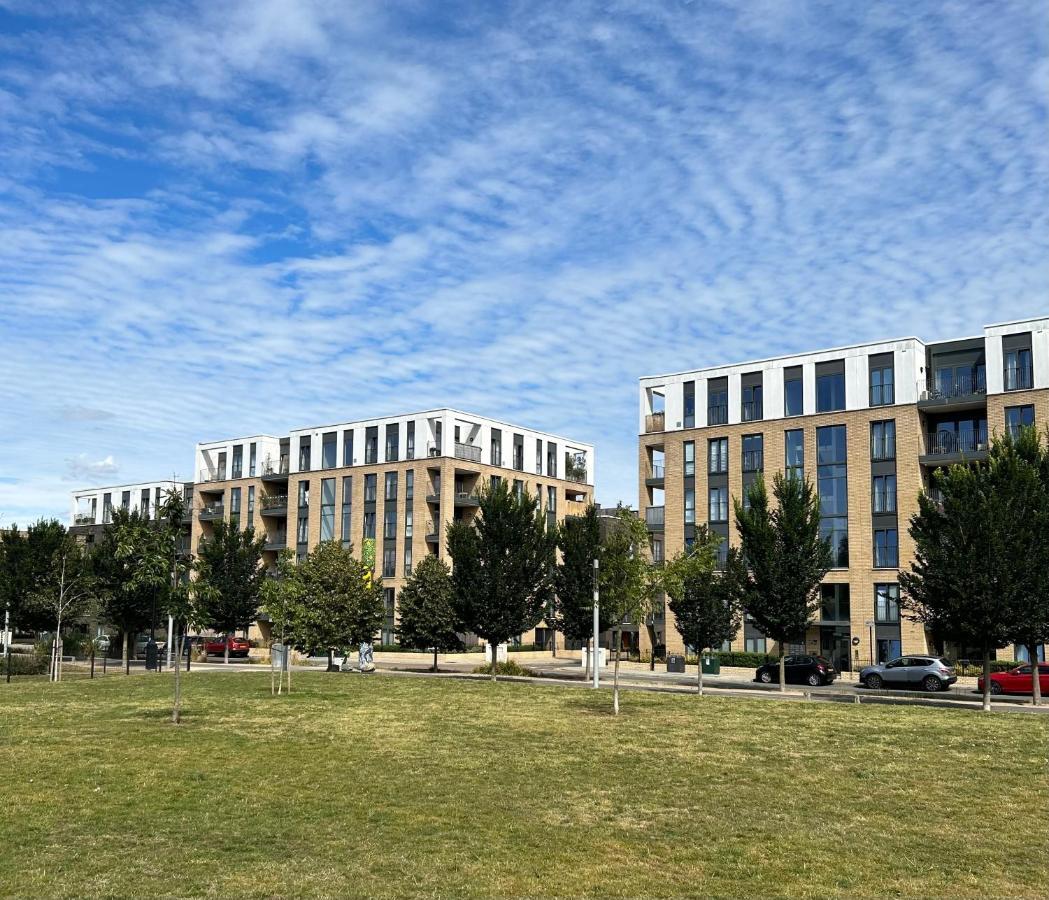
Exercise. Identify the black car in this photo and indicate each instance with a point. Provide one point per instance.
(810, 670)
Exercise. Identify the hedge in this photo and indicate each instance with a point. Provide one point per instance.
(24, 664)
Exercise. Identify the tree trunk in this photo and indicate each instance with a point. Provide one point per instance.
(176, 709)
(435, 659)
(782, 668)
(1036, 685)
(615, 677)
(331, 660)
(699, 674)
(986, 679)
(553, 643)
(127, 652)
(494, 657)
(225, 653)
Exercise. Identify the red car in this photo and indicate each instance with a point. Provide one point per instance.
(216, 646)
(1018, 680)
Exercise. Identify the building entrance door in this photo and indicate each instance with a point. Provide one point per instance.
(835, 644)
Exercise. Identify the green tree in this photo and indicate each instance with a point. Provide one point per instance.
(503, 566)
(705, 603)
(785, 557)
(427, 609)
(572, 610)
(26, 560)
(975, 537)
(178, 599)
(228, 589)
(628, 582)
(341, 601)
(283, 602)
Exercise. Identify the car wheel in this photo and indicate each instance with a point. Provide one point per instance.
(814, 680)
(996, 687)
(765, 677)
(932, 684)
(873, 682)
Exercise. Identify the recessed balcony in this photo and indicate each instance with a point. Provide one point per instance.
(655, 422)
(657, 476)
(433, 531)
(960, 392)
(468, 452)
(84, 519)
(275, 472)
(467, 498)
(654, 517)
(944, 448)
(275, 505)
(211, 512)
(276, 540)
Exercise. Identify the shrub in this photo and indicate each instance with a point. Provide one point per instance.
(505, 668)
(741, 658)
(24, 664)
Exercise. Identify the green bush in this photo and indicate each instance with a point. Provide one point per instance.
(974, 668)
(740, 658)
(24, 664)
(505, 668)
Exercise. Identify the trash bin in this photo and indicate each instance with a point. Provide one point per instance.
(675, 663)
(711, 665)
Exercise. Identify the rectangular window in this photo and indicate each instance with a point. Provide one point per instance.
(408, 522)
(347, 508)
(884, 493)
(369, 488)
(882, 386)
(409, 485)
(407, 560)
(1018, 370)
(389, 633)
(830, 387)
(755, 645)
(347, 447)
(719, 504)
(718, 451)
(690, 506)
(327, 509)
(539, 456)
(690, 458)
(391, 486)
(251, 503)
(393, 439)
(518, 488)
(143, 503)
(107, 508)
(328, 449)
(302, 535)
(409, 441)
(238, 461)
(717, 402)
(253, 459)
(389, 562)
(832, 486)
(794, 441)
(551, 459)
(551, 499)
(793, 391)
(834, 603)
(751, 410)
(369, 526)
(304, 494)
(887, 603)
(1018, 417)
(125, 499)
(519, 452)
(497, 447)
(221, 471)
(886, 552)
(389, 523)
(753, 452)
(371, 445)
(690, 404)
(494, 481)
(883, 440)
(304, 452)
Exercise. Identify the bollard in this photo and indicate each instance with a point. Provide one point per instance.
(855, 698)
(92, 660)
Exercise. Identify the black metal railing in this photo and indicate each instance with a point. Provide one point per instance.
(275, 468)
(717, 415)
(753, 460)
(947, 442)
(1018, 378)
(273, 501)
(752, 411)
(956, 387)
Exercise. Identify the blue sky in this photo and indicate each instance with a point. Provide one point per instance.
(228, 218)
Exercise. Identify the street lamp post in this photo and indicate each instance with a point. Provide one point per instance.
(597, 627)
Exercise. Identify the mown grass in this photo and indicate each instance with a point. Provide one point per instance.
(389, 786)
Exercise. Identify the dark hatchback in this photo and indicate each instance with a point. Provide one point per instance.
(810, 670)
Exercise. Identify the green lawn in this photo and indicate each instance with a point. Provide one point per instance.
(390, 787)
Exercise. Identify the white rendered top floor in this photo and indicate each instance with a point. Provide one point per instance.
(94, 506)
(431, 433)
(1015, 355)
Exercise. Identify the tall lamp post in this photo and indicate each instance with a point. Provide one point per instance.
(597, 627)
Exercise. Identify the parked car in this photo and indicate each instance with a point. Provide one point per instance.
(238, 646)
(140, 646)
(811, 670)
(929, 673)
(1017, 681)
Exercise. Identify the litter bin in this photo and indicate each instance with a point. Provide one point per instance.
(675, 663)
(711, 665)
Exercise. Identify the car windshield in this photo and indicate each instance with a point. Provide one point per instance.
(945, 661)
(823, 659)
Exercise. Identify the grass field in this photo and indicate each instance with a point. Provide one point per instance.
(394, 787)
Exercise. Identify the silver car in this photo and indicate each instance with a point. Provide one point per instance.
(930, 673)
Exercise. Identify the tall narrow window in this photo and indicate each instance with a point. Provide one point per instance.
(1018, 418)
(389, 523)
(690, 404)
(830, 387)
(690, 458)
(347, 447)
(886, 552)
(718, 448)
(793, 391)
(539, 456)
(1018, 370)
(409, 441)
(125, 499)
(221, 471)
(392, 442)
(369, 488)
(304, 493)
(371, 445)
(389, 562)
(409, 522)
(407, 560)
(753, 452)
(409, 485)
(238, 461)
(251, 503)
(719, 504)
(305, 449)
(369, 526)
(887, 603)
(884, 493)
(253, 459)
(832, 485)
(883, 440)
(497, 447)
(143, 504)
(107, 508)
(328, 449)
(690, 506)
(882, 386)
(390, 492)
(551, 459)
(794, 441)
(327, 509)
(752, 409)
(717, 401)
(347, 508)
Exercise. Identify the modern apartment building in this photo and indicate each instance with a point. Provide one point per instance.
(92, 508)
(388, 487)
(867, 424)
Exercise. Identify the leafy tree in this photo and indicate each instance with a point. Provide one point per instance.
(129, 564)
(785, 556)
(25, 561)
(627, 580)
(572, 610)
(178, 601)
(976, 540)
(427, 609)
(282, 599)
(503, 566)
(705, 603)
(340, 604)
(229, 579)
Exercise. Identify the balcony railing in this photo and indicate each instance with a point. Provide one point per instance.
(958, 387)
(84, 519)
(658, 471)
(208, 475)
(467, 451)
(277, 540)
(212, 511)
(273, 501)
(943, 443)
(1018, 378)
(433, 448)
(717, 415)
(433, 529)
(275, 468)
(654, 516)
(655, 422)
(752, 411)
